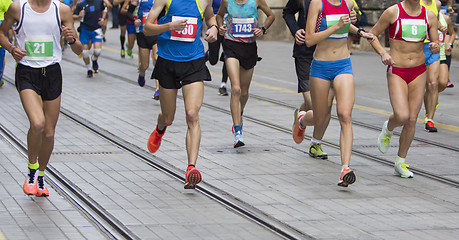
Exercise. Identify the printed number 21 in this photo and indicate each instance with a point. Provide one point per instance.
(39, 48)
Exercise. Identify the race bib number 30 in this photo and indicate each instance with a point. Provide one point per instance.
(188, 34)
(243, 27)
(413, 30)
(39, 47)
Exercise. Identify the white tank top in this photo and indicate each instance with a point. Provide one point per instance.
(39, 34)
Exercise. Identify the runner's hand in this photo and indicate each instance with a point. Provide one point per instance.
(434, 48)
(211, 34)
(353, 17)
(18, 53)
(222, 30)
(299, 36)
(68, 33)
(178, 25)
(387, 59)
(258, 32)
(137, 23)
(343, 21)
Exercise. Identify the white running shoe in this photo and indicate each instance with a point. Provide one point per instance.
(238, 140)
(384, 138)
(401, 168)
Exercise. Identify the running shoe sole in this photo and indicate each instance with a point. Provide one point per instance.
(193, 177)
(348, 179)
(239, 144)
(42, 193)
(323, 157)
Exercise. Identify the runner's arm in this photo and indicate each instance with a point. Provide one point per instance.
(11, 16)
(383, 23)
(68, 31)
(152, 28)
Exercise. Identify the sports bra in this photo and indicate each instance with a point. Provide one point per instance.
(408, 28)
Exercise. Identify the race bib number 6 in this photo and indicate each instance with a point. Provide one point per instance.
(39, 47)
(243, 27)
(188, 34)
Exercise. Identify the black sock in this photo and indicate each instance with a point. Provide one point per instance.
(122, 40)
(191, 165)
(160, 131)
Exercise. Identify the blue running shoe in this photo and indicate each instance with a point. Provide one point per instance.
(141, 80)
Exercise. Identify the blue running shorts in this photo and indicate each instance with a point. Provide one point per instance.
(86, 36)
(430, 58)
(130, 27)
(328, 70)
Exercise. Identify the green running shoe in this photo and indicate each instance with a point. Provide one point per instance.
(315, 151)
(1, 82)
(122, 53)
(129, 52)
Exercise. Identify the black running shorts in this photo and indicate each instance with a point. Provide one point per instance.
(146, 41)
(174, 75)
(46, 82)
(122, 19)
(303, 67)
(246, 53)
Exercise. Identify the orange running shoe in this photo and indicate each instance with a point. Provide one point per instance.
(42, 191)
(297, 131)
(193, 177)
(30, 184)
(154, 141)
(347, 177)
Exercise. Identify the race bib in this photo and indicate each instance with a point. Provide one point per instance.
(144, 17)
(39, 47)
(441, 37)
(188, 34)
(413, 30)
(334, 19)
(243, 27)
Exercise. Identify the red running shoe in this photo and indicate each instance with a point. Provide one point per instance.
(347, 177)
(42, 191)
(193, 177)
(297, 131)
(154, 141)
(30, 185)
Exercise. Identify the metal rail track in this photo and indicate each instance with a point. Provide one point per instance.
(229, 201)
(97, 214)
(418, 171)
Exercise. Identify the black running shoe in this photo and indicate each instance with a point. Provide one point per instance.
(430, 127)
(89, 74)
(222, 91)
(95, 66)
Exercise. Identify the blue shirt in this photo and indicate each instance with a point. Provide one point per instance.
(92, 12)
(181, 46)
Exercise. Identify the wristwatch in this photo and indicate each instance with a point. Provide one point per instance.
(359, 32)
(264, 30)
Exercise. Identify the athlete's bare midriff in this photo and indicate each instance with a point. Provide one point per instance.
(331, 50)
(407, 54)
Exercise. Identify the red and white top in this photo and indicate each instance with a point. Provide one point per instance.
(408, 28)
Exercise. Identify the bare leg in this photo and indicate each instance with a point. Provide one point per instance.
(193, 95)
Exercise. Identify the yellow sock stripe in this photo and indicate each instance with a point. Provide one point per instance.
(33, 166)
(41, 173)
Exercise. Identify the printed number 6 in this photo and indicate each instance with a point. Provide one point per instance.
(414, 30)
